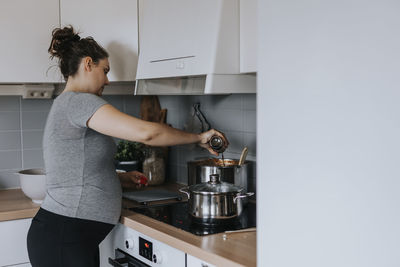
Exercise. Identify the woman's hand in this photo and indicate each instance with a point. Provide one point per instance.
(205, 139)
(133, 179)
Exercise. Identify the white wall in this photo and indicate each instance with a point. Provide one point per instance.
(328, 131)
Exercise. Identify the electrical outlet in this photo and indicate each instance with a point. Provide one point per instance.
(38, 91)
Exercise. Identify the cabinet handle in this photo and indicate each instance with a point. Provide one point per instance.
(204, 265)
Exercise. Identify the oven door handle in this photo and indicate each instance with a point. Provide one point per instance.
(122, 258)
(117, 262)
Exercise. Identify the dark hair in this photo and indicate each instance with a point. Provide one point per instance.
(68, 46)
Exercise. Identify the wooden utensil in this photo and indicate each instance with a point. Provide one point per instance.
(243, 156)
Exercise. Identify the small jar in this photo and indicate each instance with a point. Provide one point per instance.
(154, 167)
(217, 144)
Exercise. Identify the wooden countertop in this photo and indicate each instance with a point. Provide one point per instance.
(234, 249)
(237, 249)
(15, 205)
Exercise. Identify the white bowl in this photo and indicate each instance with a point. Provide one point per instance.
(33, 184)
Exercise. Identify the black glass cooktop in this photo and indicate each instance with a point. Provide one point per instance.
(176, 214)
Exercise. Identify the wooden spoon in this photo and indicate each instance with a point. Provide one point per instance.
(243, 156)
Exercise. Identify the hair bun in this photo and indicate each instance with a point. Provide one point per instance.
(62, 41)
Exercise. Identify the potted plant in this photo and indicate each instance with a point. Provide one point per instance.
(129, 156)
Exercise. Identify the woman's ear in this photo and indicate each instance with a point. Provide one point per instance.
(87, 63)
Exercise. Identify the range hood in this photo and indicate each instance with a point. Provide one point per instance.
(190, 47)
(198, 85)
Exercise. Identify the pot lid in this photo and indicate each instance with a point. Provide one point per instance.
(215, 186)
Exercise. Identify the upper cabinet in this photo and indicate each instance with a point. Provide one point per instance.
(248, 36)
(190, 47)
(188, 37)
(25, 29)
(114, 25)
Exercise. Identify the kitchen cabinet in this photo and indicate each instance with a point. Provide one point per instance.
(188, 38)
(191, 48)
(248, 36)
(192, 261)
(107, 248)
(25, 38)
(114, 25)
(13, 250)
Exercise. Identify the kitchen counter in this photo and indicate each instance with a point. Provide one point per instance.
(237, 249)
(15, 205)
(234, 249)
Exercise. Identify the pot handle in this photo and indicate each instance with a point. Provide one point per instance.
(185, 190)
(242, 196)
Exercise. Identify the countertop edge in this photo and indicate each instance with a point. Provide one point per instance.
(14, 205)
(186, 242)
(18, 214)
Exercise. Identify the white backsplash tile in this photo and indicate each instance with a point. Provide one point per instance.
(249, 121)
(235, 140)
(9, 103)
(34, 120)
(33, 158)
(10, 140)
(36, 104)
(250, 142)
(9, 120)
(32, 139)
(249, 102)
(10, 159)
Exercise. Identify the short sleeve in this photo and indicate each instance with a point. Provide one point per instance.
(82, 106)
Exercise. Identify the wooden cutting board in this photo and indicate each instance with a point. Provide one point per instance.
(150, 109)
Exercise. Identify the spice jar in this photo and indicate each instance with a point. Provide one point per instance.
(154, 166)
(217, 144)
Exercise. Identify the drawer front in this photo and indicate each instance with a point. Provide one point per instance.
(13, 249)
(196, 262)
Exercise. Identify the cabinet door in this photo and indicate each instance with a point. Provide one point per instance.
(13, 248)
(185, 38)
(196, 262)
(107, 249)
(248, 36)
(25, 30)
(113, 24)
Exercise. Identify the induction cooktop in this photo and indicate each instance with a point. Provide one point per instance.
(176, 214)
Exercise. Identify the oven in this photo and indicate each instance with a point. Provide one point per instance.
(134, 249)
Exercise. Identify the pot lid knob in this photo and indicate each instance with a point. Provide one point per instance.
(214, 178)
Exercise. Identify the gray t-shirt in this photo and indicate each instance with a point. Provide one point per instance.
(81, 181)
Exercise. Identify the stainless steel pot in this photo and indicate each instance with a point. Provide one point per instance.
(215, 200)
(230, 171)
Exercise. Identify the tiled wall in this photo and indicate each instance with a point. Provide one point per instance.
(235, 115)
(22, 123)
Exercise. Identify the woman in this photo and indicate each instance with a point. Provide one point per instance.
(83, 195)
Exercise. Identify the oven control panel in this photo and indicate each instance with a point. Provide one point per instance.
(145, 249)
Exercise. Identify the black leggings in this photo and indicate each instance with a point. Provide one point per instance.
(59, 241)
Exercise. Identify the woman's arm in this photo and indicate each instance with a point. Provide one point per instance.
(110, 121)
